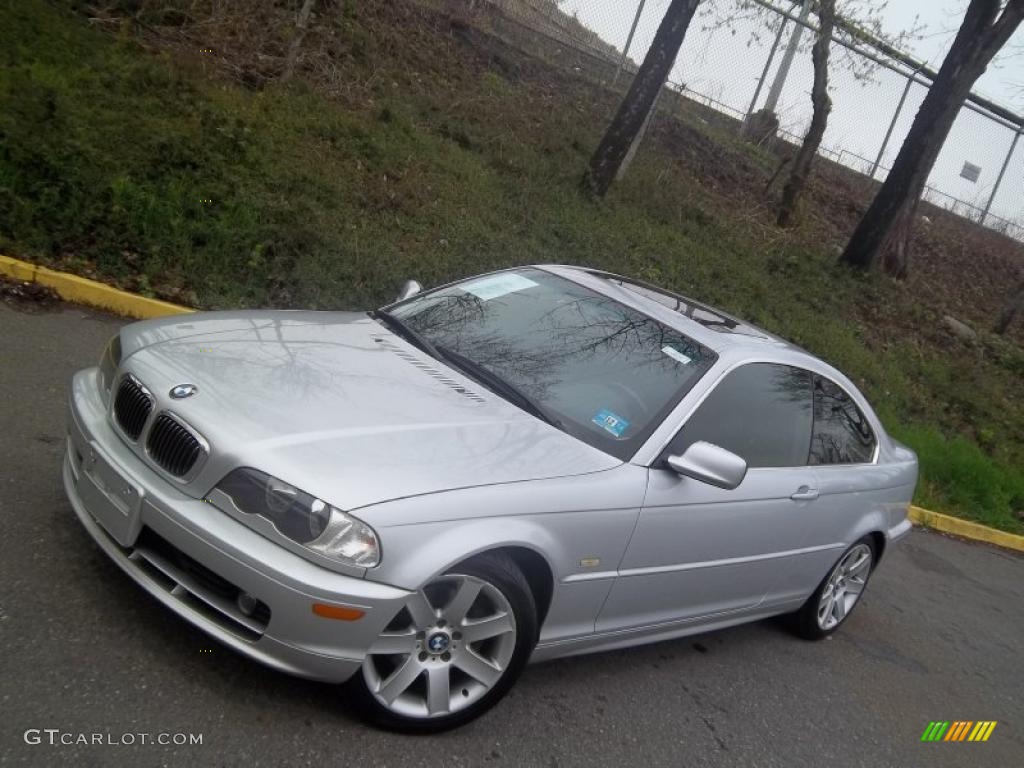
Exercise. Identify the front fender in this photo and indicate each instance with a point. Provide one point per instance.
(579, 525)
(415, 554)
(571, 543)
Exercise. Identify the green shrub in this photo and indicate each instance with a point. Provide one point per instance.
(958, 478)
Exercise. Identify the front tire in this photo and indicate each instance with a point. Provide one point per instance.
(453, 651)
(838, 594)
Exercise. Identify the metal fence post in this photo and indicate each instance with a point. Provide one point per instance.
(629, 41)
(892, 124)
(1002, 171)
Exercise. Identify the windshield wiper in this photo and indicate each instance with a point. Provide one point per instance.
(407, 333)
(498, 385)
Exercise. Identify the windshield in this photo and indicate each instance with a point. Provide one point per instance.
(602, 371)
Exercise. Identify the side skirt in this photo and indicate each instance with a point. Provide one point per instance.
(607, 641)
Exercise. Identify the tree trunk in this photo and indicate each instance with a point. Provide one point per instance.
(822, 106)
(300, 32)
(885, 230)
(629, 119)
(1013, 306)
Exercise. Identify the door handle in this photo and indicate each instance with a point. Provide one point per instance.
(805, 493)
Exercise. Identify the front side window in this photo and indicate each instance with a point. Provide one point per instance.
(841, 433)
(596, 368)
(762, 412)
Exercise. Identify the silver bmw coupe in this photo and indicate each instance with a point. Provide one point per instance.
(520, 466)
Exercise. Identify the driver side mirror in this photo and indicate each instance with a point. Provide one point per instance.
(710, 464)
(410, 288)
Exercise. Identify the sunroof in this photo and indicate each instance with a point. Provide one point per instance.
(707, 316)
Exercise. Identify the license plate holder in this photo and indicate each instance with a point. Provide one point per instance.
(113, 500)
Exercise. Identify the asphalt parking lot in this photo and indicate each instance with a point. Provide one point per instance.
(939, 636)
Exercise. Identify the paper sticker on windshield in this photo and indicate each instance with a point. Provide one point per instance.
(675, 354)
(610, 422)
(497, 285)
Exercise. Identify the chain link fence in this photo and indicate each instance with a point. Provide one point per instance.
(731, 62)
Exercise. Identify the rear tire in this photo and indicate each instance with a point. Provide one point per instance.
(453, 651)
(838, 594)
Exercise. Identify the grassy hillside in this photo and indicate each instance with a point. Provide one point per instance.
(414, 144)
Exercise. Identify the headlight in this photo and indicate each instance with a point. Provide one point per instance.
(304, 519)
(109, 362)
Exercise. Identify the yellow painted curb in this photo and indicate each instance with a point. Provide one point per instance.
(965, 528)
(84, 291)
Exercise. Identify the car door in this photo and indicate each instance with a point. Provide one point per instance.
(698, 550)
(850, 483)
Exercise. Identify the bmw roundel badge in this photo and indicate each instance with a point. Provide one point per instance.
(182, 391)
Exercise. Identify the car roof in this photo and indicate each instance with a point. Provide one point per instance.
(708, 325)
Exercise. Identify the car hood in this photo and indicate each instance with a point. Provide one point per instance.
(337, 405)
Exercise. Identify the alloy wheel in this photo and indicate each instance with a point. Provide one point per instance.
(845, 586)
(448, 646)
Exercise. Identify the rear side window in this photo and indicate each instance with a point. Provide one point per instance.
(761, 412)
(841, 433)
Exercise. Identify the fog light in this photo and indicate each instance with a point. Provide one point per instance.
(247, 603)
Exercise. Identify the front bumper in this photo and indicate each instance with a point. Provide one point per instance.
(195, 559)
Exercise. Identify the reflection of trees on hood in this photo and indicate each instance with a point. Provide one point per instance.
(272, 355)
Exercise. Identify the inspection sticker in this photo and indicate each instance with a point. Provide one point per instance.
(497, 285)
(675, 354)
(610, 422)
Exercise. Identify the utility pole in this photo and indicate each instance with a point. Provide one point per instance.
(629, 41)
(775, 91)
(764, 72)
(628, 159)
(300, 32)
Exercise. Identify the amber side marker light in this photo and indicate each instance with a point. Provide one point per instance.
(340, 612)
